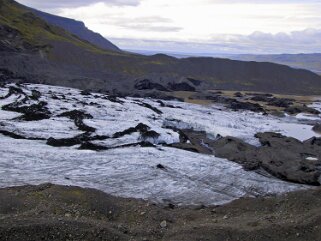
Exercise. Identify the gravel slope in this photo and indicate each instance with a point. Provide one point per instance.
(50, 212)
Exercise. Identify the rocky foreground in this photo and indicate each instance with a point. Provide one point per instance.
(51, 212)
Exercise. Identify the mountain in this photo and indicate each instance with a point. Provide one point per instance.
(77, 28)
(311, 62)
(34, 50)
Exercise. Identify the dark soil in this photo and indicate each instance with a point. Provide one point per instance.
(50, 212)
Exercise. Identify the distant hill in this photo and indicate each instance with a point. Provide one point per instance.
(33, 50)
(302, 61)
(77, 28)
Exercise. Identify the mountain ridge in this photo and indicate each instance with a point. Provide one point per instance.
(68, 60)
(77, 28)
(311, 61)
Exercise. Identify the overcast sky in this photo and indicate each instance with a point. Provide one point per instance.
(216, 26)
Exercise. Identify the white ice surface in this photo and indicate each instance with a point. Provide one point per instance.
(189, 178)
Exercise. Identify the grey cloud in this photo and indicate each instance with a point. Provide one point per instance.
(118, 19)
(43, 4)
(262, 1)
(306, 41)
(148, 23)
(152, 28)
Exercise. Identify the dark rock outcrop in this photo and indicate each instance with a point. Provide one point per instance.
(273, 101)
(293, 110)
(181, 87)
(35, 95)
(238, 105)
(18, 136)
(317, 127)
(238, 95)
(289, 159)
(78, 117)
(283, 157)
(215, 97)
(81, 139)
(146, 84)
(280, 102)
(13, 90)
(33, 112)
(157, 111)
(141, 128)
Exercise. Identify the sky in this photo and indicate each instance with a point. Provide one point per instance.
(199, 26)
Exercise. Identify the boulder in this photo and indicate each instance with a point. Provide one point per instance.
(237, 151)
(283, 157)
(293, 110)
(238, 94)
(146, 84)
(280, 102)
(237, 105)
(288, 158)
(181, 87)
(317, 127)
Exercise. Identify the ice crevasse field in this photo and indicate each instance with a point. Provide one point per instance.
(131, 171)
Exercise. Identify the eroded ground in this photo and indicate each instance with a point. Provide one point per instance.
(50, 212)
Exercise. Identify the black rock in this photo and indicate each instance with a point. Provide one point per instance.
(141, 128)
(149, 134)
(18, 136)
(160, 166)
(33, 112)
(157, 111)
(237, 105)
(293, 110)
(35, 95)
(238, 94)
(181, 87)
(78, 116)
(146, 84)
(280, 102)
(91, 146)
(64, 142)
(317, 127)
(261, 98)
(85, 92)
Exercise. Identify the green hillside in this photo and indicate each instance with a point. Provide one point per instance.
(36, 31)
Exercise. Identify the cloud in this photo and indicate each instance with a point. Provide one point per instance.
(141, 24)
(306, 41)
(260, 1)
(43, 4)
(238, 26)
